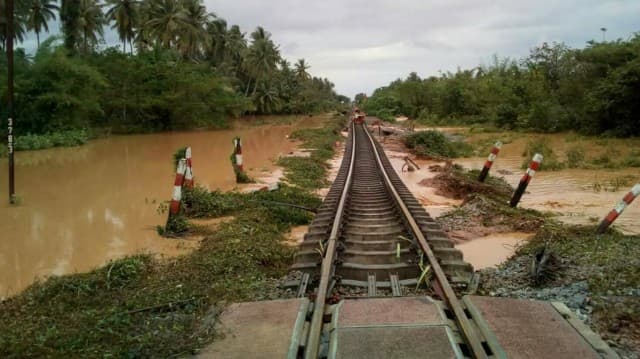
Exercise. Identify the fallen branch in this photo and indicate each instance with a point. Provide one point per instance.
(164, 305)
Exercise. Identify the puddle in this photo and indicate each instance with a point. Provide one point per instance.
(493, 249)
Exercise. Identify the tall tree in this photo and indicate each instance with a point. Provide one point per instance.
(90, 22)
(301, 70)
(262, 58)
(69, 17)
(124, 13)
(19, 20)
(166, 19)
(217, 30)
(193, 36)
(39, 13)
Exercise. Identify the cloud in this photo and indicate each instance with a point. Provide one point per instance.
(363, 44)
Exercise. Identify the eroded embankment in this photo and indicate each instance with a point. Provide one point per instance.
(594, 275)
(142, 307)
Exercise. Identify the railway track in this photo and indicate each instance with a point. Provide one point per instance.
(372, 236)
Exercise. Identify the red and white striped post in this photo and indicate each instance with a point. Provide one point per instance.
(492, 157)
(619, 208)
(237, 152)
(174, 207)
(524, 181)
(188, 174)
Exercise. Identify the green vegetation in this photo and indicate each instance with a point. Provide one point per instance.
(311, 172)
(541, 146)
(555, 88)
(54, 139)
(436, 144)
(142, 307)
(189, 70)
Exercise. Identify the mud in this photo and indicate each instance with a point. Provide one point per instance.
(486, 241)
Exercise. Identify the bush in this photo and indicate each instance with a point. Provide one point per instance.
(436, 144)
(541, 146)
(54, 139)
(575, 156)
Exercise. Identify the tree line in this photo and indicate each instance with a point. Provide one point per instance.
(178, 66)
(594, 90)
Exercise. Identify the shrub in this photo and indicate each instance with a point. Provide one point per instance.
(435, 143)
(575, 156)
(541, 146)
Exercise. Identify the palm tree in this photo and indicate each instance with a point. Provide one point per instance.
(69, 17)
(125, 15)
(262, 57)
(267, 99)
(217, 31)
(235, 45)
(90, 22)
(39, 13)
(301, 70)
(19, 20)
(166, 19)
(193, 36)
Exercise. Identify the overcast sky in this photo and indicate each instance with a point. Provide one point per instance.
(364, 44)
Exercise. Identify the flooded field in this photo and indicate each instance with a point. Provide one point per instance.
(580, 196)
(83, 206)
(574, 195)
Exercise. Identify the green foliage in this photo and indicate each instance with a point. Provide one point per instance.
(310, 173)
(436, 144)
(189, 71)
(541, 146)
(68, 138)
(556, 88)
(178, 155)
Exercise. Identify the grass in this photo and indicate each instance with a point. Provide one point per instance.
(140, 306)
(436, 144)
(541, 146)
(54, 139)
(311, 172)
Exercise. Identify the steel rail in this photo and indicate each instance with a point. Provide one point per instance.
(315, 329)
(469, 334)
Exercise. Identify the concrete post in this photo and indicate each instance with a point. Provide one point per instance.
(524, 181)
(492, 157)
(188, 175)
(174, 207)
(619, 208)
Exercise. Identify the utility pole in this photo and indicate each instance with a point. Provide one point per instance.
(604, 31)
(10, 35)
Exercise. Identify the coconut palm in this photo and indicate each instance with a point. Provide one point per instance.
(262, 56)
(19, 21)
(215, 46)
(193, 37)
(124, 13)
(166, 20)
(301, 70)
(90, 22)
(38, 14)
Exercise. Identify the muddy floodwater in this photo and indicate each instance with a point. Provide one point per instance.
(574, 195)
(80, 207)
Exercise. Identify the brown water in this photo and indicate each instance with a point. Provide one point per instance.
(81, 207)
(493, 249)
(578, 196)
